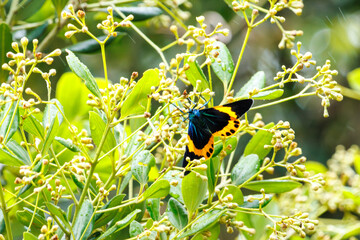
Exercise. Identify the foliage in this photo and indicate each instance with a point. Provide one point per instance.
(100, 160)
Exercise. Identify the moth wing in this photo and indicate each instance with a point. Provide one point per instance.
(201, 143)
(224, 120)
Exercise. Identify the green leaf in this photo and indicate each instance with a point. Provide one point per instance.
(59, 213)
(25, 216)
(27, 8)
(356, 163)
(158, 189)
(119, 225)
(245, 168)
(69, 211)
(91, 45)
(269, 95)
(153, 207)
(19, 152)
(83, 72)
(50, 135)
(103, 218)
(256, 81)
(29, 236)
(68, 144)
(175, 191)
(316, 167)
(353, 78)
(33, 126)
(59, 6)
(5, 47)
(222, 65)
(193, 184)
(177, 214)
(235, 192)
(125, 181)
(141, 164)
(133, 145)
(97, 127)
(72, 94)
(213, 165)
(51, 112)
(10, 159)
(258, 141)
(9, 119)
(273, 186)
(139, 13)
(135, 228)
(213, 233)
(84, 221)
(204, 222)
(256, 203)
(136, 101)
(194, 73)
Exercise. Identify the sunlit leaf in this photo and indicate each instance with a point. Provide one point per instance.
(222, 65)
(83, 225)
(119, 225)
(258, 141)
(273, 186)
(97, 127)
(245, 168)
(83, 72)
(269, 95)
(136, 101)
(68, 144)
(9, 119)
(256, 81)
(204, 222)
(194, 73)
(177, 214)
(141, 165)
(158, 189)
(191, 184)
(353, 78)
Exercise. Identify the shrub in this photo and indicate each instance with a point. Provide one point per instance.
(101, 159)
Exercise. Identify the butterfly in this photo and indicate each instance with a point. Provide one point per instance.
(205, 124)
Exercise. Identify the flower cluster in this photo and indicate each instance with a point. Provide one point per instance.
(20, 67)
(325, 86)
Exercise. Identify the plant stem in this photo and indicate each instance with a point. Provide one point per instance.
(238, 63)
(92, 170)
(5, 213)
(13, 8)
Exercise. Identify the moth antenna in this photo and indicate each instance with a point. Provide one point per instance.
(206, 102)
(191, 102)
(178, 108)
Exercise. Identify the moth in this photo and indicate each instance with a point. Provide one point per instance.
(205, 124)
